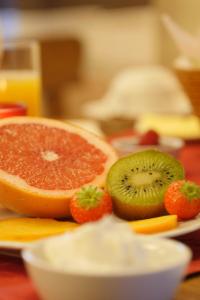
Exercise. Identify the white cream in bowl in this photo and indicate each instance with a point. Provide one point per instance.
(108, 246)
(101, 247)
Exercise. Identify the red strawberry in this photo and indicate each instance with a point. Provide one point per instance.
(149, 138)
(90, 204)
(182, 198)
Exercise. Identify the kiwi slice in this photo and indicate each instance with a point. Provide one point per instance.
(137, 183)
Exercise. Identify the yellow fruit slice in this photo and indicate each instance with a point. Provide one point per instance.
(154, 225)
(30, 229)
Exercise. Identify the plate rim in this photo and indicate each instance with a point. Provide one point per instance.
(194, 224)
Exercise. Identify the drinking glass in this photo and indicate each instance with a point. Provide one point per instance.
(20, 80)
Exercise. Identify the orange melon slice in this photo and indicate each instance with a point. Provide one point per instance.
(154, 225)
(30, 229)
(44, 162)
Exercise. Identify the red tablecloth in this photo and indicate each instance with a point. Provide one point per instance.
(15, 284)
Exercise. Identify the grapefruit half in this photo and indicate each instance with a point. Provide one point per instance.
(43, 162)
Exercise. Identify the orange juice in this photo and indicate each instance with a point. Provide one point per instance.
(21, 86)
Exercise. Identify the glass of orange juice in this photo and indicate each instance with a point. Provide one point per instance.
(20, 79)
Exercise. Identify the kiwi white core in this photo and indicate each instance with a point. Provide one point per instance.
(144, 178)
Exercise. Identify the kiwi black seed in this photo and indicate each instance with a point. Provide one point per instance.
(138, 182)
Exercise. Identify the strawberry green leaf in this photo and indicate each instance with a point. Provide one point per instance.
(89, 197)
(190, 190)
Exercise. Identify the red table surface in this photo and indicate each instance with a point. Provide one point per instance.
(16, 285)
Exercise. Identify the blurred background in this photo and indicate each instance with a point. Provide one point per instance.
(85, 46)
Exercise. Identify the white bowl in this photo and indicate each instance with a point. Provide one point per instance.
(155, 283)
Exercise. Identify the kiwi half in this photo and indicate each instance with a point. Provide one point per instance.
(137, 183)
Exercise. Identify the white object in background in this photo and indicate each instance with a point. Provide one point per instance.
(188, 44)
(138, 91)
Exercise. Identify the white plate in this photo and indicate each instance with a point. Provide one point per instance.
(183, 228)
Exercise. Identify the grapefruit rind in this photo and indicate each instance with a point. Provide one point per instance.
(20, 197)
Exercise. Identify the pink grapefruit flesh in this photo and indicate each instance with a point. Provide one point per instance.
(43, 162)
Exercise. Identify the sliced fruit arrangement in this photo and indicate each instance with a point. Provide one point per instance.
(44, 162)
(90, 204)
(183, 199)
(137, 183)
(52, 169)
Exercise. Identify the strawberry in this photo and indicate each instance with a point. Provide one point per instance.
(90, 204)
(183, 199)
(149, 138)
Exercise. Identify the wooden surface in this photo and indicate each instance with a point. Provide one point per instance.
(189, 289)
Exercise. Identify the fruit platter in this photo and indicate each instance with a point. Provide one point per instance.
(55, 176)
